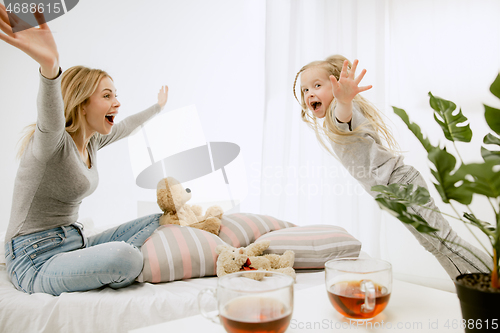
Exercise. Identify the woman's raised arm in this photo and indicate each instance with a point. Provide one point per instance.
(38, 43)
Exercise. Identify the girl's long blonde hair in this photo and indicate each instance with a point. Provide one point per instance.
(329, 131)
(78, 83)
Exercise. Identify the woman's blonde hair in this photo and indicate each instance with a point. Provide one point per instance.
(329, 131)
(78, 83)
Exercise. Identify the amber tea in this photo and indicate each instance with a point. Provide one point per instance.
(349, 299)
(246, 304)
(255, 314)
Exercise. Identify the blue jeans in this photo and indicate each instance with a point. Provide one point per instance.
(63, 260)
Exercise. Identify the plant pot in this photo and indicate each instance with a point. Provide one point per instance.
(480, 308)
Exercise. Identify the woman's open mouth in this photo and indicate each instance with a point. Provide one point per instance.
(110, 118)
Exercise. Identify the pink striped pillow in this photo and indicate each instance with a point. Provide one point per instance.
(242, 229)
(175, 253)
(313, 245)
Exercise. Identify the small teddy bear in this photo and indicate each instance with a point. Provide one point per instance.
(172, 198)
(231, 260)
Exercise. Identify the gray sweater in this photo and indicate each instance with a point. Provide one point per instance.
(365, 158)
(52, 179)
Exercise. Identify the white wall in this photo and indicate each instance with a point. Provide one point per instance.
(210, 53)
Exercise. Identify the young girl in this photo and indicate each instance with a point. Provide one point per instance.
(354, 128)
(46, 249)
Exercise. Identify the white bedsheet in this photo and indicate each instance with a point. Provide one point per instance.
(108, 310)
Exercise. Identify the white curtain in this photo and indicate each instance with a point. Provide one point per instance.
(409, 48)
(301, 182)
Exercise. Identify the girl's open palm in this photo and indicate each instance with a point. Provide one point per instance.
(163, 96)
(347, 87)
(38, 43)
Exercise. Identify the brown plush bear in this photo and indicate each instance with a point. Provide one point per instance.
(172, 198)
(231, 260)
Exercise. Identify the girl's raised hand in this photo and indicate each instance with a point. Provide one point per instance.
(163, 96)
(347, 87)
(38, 43)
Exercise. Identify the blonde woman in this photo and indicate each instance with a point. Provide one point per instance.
(46, 249)
(352, 129)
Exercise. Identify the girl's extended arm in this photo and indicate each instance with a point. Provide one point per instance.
(163, 96)
(345, 89)
(38, 43)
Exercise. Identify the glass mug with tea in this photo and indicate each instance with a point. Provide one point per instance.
(359, 289)
(245, 304)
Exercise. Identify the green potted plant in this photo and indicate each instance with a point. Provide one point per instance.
(479, 294)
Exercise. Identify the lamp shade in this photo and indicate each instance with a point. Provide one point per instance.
(189, 164)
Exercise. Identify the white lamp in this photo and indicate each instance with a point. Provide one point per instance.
(173, 144)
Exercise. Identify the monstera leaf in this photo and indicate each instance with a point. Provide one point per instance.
(400, 211)
(495, 87)
(450, 185)
(491, 139)
(491, 155)
(407, 194)
(486, 178)
(492, 115)
(414, 128)
(449, 121)
(485, 227)
(444, 162)
(396, 198)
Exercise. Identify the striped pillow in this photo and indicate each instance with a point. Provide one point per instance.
(174, 253)
(313, 245)
(242, 229)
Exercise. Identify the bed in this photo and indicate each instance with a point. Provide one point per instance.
(172, 296)
(109, 310)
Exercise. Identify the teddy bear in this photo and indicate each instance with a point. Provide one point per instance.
(231, 260)
(172, 198)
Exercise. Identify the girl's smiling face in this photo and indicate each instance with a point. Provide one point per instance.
(101, 108)
(316, 89)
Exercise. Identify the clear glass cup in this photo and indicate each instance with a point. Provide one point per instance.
(248, 305)
(359, 289)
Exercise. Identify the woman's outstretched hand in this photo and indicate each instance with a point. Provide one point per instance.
(346, 88)
(38, 43)
(163, 96)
